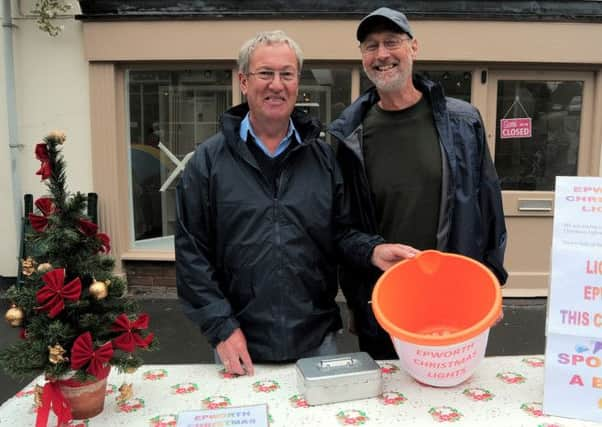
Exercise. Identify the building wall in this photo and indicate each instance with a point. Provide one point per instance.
(52, 91)
(7, 221)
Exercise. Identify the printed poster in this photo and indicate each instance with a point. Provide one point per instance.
(573, 359)
(573, 377)
(575, 298)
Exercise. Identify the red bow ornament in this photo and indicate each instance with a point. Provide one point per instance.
(40, 222)
(42, 156)
(105, 242)
(45, 205)
(87, 227)
(83, 352)
(52, 397)
(90, 229)
(52, 295)
(131, 337)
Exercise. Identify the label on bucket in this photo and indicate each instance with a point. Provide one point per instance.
(442, 366)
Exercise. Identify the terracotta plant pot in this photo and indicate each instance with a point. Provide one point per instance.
(86, 399)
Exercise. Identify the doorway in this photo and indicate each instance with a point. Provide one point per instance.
(538, 127)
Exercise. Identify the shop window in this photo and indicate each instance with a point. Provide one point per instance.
(324, 93)
(456, 83)
(169, 114)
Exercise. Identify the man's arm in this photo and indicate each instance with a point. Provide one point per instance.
(492, 211)
(357, 248)
(196, 277)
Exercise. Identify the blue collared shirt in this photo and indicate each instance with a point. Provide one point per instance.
(245, 128)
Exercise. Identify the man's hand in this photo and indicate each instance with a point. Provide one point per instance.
(385, 255)
(234, 350)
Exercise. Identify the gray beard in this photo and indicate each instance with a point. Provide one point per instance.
(388, 86)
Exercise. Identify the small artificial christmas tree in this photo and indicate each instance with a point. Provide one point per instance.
(75, 315)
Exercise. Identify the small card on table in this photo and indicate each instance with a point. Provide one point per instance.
(256, 415)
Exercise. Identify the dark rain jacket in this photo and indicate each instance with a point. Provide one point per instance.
(471, 219)
(264, 261)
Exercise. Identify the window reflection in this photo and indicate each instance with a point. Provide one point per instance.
(324, 93)
(177, 109)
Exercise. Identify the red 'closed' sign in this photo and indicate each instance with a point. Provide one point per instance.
(515, 128)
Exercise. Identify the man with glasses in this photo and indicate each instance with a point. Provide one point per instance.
(416, 165)
(262, 222)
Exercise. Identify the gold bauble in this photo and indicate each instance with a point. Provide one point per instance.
(57, 135)
(44, 267)
(55, 354)
(99, 290)
(130, 369)
(14, 316)
(29, 266)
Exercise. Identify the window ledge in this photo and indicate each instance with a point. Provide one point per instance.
(145, 255)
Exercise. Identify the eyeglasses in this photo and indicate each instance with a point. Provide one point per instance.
(389, 44)
(270, 75)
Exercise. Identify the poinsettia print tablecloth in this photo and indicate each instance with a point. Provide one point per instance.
(504, 391)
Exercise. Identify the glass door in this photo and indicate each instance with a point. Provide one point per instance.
(539, 127)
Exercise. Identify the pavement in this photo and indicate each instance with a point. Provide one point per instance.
(520, 332)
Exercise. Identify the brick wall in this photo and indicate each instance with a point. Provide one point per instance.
(159, 274)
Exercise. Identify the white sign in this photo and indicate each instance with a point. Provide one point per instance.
(255, 415)
(573, 378)
(575, 301)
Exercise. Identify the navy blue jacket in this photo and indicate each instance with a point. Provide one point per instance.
(471, 219)
(263, 260)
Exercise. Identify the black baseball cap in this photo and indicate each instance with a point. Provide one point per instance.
(392, 19)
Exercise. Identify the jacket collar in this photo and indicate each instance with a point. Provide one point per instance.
(353, 115)
(307, 127)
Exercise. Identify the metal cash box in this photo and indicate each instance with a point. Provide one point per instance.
(336, 378)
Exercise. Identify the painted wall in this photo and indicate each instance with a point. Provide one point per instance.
(7, 223)
(52, 92)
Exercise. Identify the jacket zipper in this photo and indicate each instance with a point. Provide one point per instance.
(278, 243)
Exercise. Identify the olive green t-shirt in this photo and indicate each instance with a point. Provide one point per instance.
(403, 163)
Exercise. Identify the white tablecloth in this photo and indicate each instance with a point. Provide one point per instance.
(504, 391)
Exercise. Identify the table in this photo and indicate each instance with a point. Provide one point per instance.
(504, 391)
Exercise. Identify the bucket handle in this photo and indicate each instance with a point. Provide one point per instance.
(429, 261)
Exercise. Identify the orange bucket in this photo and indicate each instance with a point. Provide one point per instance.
(438, 309)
